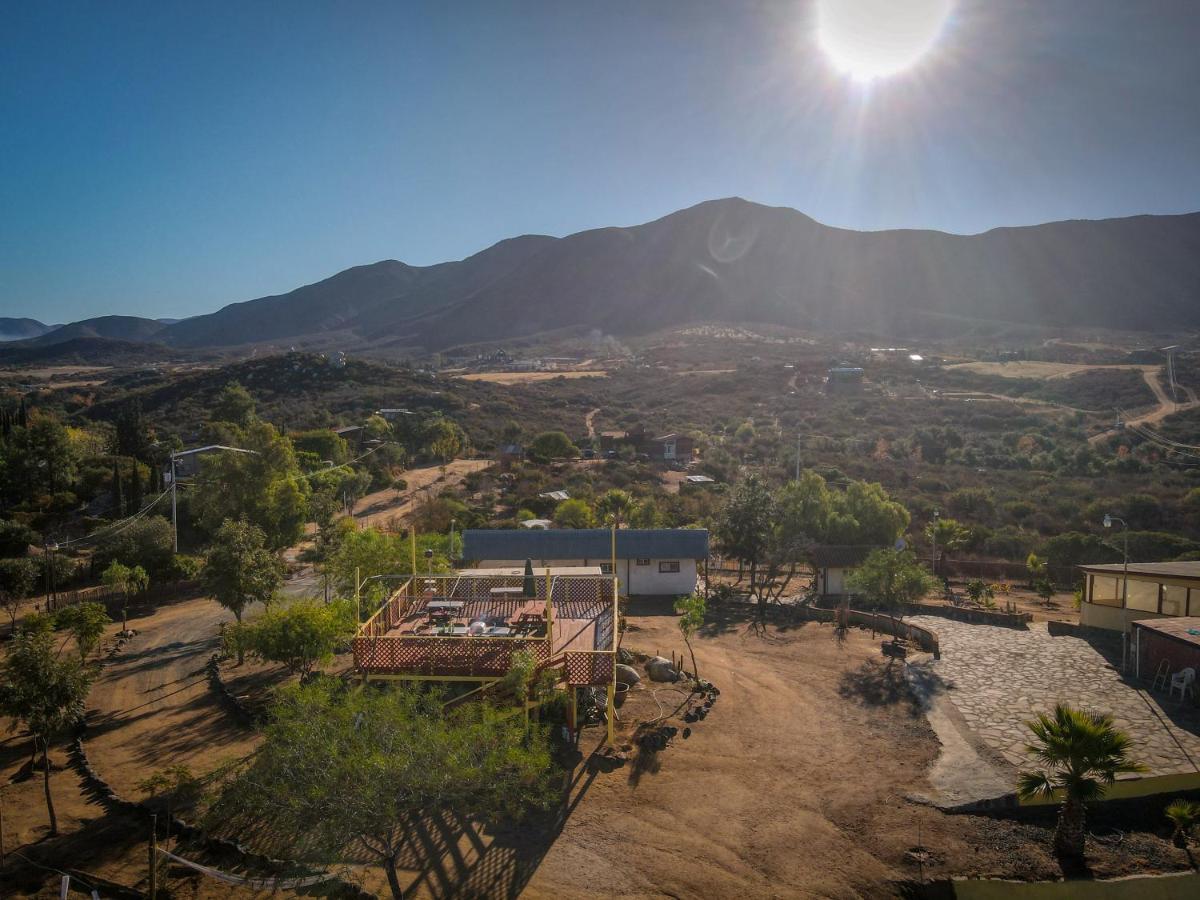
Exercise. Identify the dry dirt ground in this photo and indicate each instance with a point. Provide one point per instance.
(511, 378)
(795, 785)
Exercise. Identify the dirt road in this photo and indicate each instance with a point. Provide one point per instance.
(1166, 406)
(387, 506)
(589, 421)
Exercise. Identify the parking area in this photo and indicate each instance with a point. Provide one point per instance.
(999, 678)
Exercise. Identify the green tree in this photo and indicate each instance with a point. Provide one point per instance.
(16, 537)
(240, 570)
(145, 542)
(1081, 754)
(573, 513)
(17, 578)
(298, 637)
(865, 514)
(891, 578)
(443, 439)
(552, 445)
(322, 443)
(691, 610)
(369, 553)
(233, 405)
(342, 771)
(745, 527)
(128, 581)
(948, 535)
(615, 503)
(264, 487)
(86, 623)
(44, 692)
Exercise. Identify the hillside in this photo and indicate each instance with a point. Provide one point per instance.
(117, 328)
(20, 329)
(735, 261)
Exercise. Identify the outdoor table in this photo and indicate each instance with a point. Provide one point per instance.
(445, 604)
(508, 591)
(498, 631)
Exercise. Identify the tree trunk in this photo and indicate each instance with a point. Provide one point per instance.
(692, 653)
(393, 878)
(237, 614)
(46, 786)
(1069, 834)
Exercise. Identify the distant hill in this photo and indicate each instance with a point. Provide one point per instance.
(732, 260)
(120, 328)
(20, 329)
(86, 350)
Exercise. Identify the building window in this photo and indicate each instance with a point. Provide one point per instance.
(606, 568)
(643, 562)
(1143, 595)
(1174, 600)
(668, 567)
(1105, 591)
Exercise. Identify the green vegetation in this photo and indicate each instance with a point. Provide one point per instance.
(239, 569)
(891, 579)
(345, 771)
(128, 582)
(1081, 754)
(44, 691)
(691, 610)
(1183, 816)
(299, 637)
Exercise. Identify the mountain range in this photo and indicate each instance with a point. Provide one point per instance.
(722, 260)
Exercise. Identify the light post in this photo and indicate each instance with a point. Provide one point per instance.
(933, 535)
(1108, 523)
(452, 523)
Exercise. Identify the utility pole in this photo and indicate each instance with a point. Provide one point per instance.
(797, 456)
(154, 856)
(933, 532)
(174, 508)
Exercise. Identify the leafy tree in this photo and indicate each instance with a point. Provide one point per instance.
(146, 542)
(1081, 753)
(126, 581)
(1043, 586)
(372, 553)
(891, 578)
(264, 488)
(573, 513)
(1073, 548)
(948, 535)
(322, 443)
(691, 609)
(645, 514)
(240, 570)
(234, 405)
(16, 537)
(552, 445)
(744, 528)
(616, 503)
(131, 433)
(346, 770)
(86, 622)
(39, 458)
(865, 514)
(17, 578)
(980, 592)
(1183, 816)
(443, 439)
(42, 691)
(299, 636)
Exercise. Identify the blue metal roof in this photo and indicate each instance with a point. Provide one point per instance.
(585, 543)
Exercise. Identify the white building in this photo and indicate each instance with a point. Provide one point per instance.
(833, 565)
(649, 561)
(1155, 590)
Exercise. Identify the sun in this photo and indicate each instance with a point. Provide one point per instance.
(870, 39)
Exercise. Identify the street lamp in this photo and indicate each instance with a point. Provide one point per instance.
(452, 523)
(1108, 523)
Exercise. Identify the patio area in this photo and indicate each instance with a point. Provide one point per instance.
(999, 678)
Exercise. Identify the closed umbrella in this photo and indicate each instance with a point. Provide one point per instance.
(529, 584)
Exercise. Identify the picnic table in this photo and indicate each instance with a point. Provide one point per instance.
(436, 605)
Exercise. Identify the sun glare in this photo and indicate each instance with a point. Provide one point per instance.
(869, 39)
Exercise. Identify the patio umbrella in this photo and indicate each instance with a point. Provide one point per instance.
(529, 584)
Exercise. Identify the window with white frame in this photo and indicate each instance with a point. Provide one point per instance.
(606, 568)
(668, 567)
(643, 562)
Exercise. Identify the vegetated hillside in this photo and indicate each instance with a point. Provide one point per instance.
(735, 261)
(20, 329)
(91, 350)
(120, 328)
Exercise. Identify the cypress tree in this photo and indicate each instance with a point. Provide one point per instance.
(117, 492)
(22, 415)
(135, 488)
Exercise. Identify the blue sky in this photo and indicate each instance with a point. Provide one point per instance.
(164, 159)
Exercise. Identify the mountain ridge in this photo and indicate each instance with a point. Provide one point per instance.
(730, 260)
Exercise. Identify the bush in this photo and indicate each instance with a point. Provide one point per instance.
(15, 538)
(147, 542)
(297, 637)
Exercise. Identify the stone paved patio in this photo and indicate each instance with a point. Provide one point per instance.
(1000, 677)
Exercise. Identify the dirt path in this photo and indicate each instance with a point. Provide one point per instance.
(590, 422)
(1166, 406)
(387, 506)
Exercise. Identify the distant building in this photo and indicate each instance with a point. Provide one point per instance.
(187, 462)
(393, 414)
(507, 454)
(664, 448)
(353, 435)
(649, 561)
(556, 496)
(1155, 590)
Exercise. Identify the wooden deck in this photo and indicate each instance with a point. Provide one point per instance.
(412, 637)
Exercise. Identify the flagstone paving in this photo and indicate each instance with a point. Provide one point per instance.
(999, 678)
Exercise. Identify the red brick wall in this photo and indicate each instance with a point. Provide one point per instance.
(1156, 647)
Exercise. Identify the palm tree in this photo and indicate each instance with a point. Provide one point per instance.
(1184, 814)
(1082, 754)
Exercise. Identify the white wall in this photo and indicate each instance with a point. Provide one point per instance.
(635, 580)
(1114, 618)
(833, 581)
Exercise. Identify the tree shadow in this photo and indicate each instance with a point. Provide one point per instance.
(728, 618)
(880, 684)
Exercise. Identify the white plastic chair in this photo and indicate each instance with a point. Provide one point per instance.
(1182, 681)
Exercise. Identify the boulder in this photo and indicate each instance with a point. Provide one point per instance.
(627, 674)
(625, 656)
(660, 669)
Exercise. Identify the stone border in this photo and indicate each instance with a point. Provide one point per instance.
(975, 616)
(112, 800)
(244, 713)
